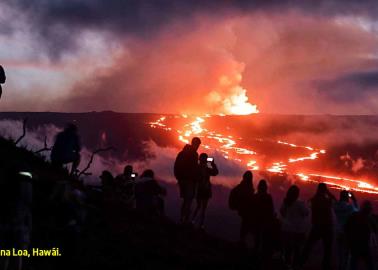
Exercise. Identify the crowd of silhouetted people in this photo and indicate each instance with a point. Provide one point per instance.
(127, 191)
(287, 233)
(331, 219)
(264, 231)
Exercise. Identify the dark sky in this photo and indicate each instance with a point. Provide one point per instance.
(215, 56)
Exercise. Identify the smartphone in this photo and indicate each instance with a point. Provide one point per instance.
(27, 174)
(350, 195)
(133, 175)
(210, 159)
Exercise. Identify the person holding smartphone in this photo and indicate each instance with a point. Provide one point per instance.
(125, 188)
(344, 209)
(207, 168)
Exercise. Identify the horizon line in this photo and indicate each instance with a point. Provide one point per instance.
(188, 114)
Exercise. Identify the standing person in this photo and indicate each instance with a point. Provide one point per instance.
(2, 79)
(68, 212)
(241, 200)
(204, 192)
(77, 198)
(16, 214)
(108, 195)
(186, 171)
(148, 194)
(343, 211)
(107, 181)
(322, 224)
(125, 188)
(265, 222)
(359, 228)
(294, 214)
(67, 148)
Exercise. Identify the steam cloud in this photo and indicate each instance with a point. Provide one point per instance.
(145, 56)
(354, 164)
(207, 69)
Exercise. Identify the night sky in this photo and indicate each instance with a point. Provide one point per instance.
(170, 56)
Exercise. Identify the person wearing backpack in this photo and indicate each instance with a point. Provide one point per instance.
(241, 199)
(186, 171)
(2, 79)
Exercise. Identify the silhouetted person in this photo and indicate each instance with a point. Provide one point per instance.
(241, 200)
(108, 188)
(204, 192)
(67, 148)
(343, 211)
(359, 228)
(126, 175)
(186, 171)
(322, 224)
(148, 194)
(107, 180)
(294, 214)
(265, 222)
(15, 214)
(68, 203)
(75, 194)
(125, 187)
(2, 79)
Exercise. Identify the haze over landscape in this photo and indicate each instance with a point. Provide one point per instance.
(231, 56)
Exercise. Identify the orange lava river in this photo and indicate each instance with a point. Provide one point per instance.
(229, 147)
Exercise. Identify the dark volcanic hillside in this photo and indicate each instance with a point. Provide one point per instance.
(125, 132)
(133, 241)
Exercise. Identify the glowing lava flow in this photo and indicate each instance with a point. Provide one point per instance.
(227, 146)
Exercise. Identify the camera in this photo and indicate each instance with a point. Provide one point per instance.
(210, 159)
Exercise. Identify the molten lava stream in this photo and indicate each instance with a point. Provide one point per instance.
(227, 146)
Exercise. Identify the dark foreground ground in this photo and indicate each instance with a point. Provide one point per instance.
(127, 240)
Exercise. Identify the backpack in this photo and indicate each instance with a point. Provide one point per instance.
(234, 199)
(180, 165)
(2, 75)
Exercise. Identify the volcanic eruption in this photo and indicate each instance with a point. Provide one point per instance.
(233, 147)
